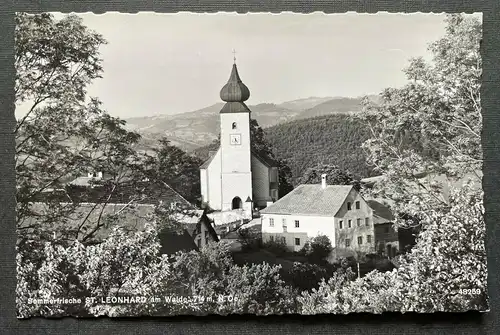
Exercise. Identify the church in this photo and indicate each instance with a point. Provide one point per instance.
(235, 177)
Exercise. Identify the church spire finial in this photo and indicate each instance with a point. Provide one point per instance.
(234, 56)
(234, 90)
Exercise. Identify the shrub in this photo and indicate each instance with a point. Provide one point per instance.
(278, 248)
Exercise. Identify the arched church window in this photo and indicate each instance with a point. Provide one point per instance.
(234, 125)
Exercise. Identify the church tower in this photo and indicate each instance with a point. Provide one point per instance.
(235, 146)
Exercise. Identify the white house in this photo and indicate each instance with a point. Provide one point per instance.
(235, 176)
(337, 211)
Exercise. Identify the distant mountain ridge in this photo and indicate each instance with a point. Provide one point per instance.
(198, 128)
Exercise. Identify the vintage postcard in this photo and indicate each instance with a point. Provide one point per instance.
(173, 164)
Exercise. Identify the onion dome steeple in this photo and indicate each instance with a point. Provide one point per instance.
(234, 90)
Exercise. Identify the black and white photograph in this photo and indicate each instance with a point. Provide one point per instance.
(259, 163)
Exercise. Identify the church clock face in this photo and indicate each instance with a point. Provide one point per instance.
(235, 139)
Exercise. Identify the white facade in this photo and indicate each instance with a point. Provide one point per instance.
(349, 229)
(276, 226)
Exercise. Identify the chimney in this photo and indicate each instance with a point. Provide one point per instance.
(323, 181)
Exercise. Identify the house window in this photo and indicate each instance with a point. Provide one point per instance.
(284, 222)
(297, 241)
(234, 125)
(341, 223)
(297, 224)
(358, 222)
(271, 238)
(199, 242)
(360, 239)
(357, 205)
(271, 222)
(347, 243)
(349, 223)
(367, 222)
(349, 206)
(368, 239)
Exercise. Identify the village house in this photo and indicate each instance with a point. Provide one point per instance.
(194, 227)
(235, 177)
(337, 211)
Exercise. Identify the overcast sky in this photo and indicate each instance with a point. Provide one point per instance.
(174, 63)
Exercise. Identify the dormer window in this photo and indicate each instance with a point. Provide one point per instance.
(234, 125)
(349, 206)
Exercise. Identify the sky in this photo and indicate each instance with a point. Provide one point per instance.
(174, 63)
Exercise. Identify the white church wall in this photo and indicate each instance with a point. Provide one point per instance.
(204, 185)
(235, 157)
(260, 182)
(235, 185)
(309, 227)
(214, 182)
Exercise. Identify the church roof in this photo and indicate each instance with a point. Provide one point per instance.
(311, 199)
(235, 107)
(266, 160)
(234, 90)
(209, 160)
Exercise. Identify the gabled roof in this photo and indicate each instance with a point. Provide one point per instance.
(267, 161)
(131, 218)
(380, 210)
(124, 192)
(311, 199)
(209, 160)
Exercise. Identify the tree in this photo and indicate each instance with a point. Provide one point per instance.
(429, 127)
(334, 175)
(63, 134)
(176, 168)
(318, 249)
(445, 271)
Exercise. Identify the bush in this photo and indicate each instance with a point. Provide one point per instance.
(305, 277)
(317, 249)
(278, 248)
(249, 239)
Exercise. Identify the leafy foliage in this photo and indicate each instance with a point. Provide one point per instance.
(130, 265)
(173, 166)
(334, 176)
(317, 249)
(63, 135)
(429, 127)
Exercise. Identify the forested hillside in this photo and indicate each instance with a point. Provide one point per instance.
(329, 139)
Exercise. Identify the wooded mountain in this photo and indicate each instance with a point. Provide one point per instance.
(329, 139)
(199, 128)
